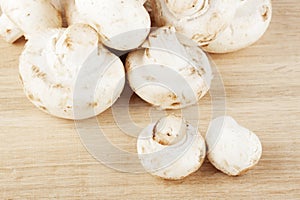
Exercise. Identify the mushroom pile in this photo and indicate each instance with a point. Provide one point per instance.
(74, 72)
(173, 149)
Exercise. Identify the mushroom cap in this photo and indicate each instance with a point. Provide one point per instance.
(122, 25)
(199, 20)
(167, 73)
(232, 148)
(68, 74)
(250, 23)
(171, 149)
(32, 16)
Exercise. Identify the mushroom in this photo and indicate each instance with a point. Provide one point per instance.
(122, 25)
(69, 74)
(169, 73)
(250, 23)
(199, 20)
(25, 17)
(232, 148)
(171, 148)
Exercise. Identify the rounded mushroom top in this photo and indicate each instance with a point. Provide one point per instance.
(122, 25)
(232, 148)
(32, 16)
(171, 148)
(170, 72)
(200, 20)
(69, 74)
(249, 24)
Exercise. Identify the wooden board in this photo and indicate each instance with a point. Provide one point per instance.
(41, 157)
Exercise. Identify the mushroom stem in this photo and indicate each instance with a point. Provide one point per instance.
(169, 130)
(8, 30)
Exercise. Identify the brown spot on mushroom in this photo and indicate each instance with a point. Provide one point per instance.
(150, 78)
(175, 104)
(68, 42)
(172, 96)
(201, 71)
(58, 86)
(35, 69)
(192, 70)
(8, 31)
(43, 108)
(37, 73)
(154, 131)
(31, 97)
(93, 104)
(200, 38)
(265, 13)
(143, 149)
(163, 142)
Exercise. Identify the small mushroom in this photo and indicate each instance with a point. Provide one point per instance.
(69, 74)
(171, 149)
(250, 23)
(122, 25)
(199, 20)
(26, 17)
(169, 73)
(232, 148)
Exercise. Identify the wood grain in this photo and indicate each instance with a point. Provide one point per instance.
(41, 157)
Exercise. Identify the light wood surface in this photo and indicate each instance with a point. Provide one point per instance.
(41, 157)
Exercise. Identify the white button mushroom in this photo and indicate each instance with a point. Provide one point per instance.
(250, 23)
(232, 148)
(167, 73)
(122, 25)
(171, 149)
(67, 73)
(25, 17)
(199, 20)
